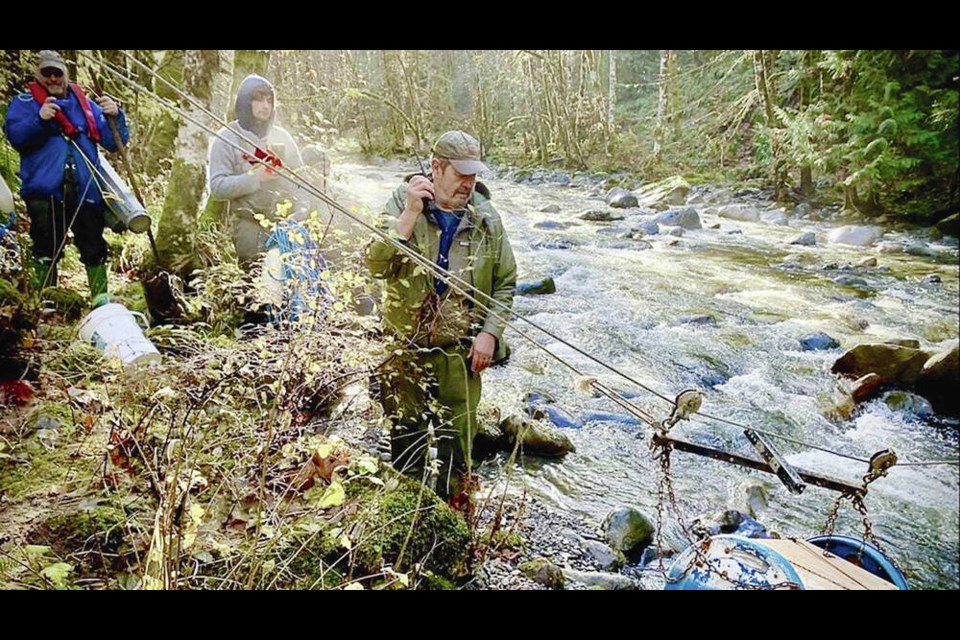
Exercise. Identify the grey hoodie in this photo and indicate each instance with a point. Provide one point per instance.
(230, 173)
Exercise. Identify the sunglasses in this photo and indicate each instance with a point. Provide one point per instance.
(48, 72)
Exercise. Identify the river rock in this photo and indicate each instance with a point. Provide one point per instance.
(866, 387)
(729, 521)
(806, 239)
(599, 215)
(552, 224)
(868, 262)
(897, 366)
(818, 341)
(701, 319)
(537, 287)
(597, 580)
(670, 191)
(910, 403)
(647, 228)
(850, 281)
(777, 217)
(550, 208)
(918, 248)
(543, 571)
(620, 198)
(536, 437)
(939, 380)
(752, 498)
(858, 236)
(555, 243)
(802, 210)
(688, 218)
(603, 556)
(740, 212)
(628, 531)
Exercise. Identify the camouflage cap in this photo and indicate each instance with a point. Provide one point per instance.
(48, 58)
(462, 150)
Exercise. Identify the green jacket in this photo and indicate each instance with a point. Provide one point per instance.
(481, 256)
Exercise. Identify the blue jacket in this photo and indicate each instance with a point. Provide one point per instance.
(43, 148)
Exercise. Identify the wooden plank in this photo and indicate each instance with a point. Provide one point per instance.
(822, 570)
(820, 480)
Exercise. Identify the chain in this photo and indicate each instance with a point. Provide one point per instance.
(665, 490)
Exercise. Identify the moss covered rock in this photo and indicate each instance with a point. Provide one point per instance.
(90, 535)
(543, 571)
(401, 525)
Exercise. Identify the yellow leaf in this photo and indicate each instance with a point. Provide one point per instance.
(345, 542)
(353, 586)
(333, 496)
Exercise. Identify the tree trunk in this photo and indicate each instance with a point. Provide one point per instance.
(176, 232)
(663, 90)
(806, 181)
(223, 101)
(761, 69)
(611, 97)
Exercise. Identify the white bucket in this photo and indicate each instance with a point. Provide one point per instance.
(113, 329)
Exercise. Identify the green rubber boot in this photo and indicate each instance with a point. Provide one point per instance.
(44, 274)
(97, 278)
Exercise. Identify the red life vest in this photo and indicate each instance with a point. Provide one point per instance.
(40, 94)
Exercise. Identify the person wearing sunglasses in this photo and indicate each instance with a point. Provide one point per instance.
(56, 129)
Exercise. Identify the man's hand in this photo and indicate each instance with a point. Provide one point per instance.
(264, 173)
(420, 187)
(109, 107)
(49, 108)
(481, 351)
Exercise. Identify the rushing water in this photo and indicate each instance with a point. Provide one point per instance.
(631, 308)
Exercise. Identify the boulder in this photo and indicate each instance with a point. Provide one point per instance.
(688, 218)
(620, 198)
(628, 531)
(537, 287)
(740, 212)
(866, 387)
(939, 380)
(599, 215)
(670, 191)
(818, 341)
(544, 572)
(896, 366)
(778, 217)
(536, 437)
(806, 239)
(858, 236)
(597, 580)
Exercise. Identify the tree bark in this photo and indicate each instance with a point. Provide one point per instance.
(176, 232)
(663, 96)
(611, 97)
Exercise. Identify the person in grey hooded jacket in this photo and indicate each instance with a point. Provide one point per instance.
(252, 189)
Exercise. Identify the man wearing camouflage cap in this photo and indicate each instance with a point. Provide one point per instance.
(430, 387)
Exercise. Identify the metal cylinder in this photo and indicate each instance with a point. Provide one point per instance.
(122, 201)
